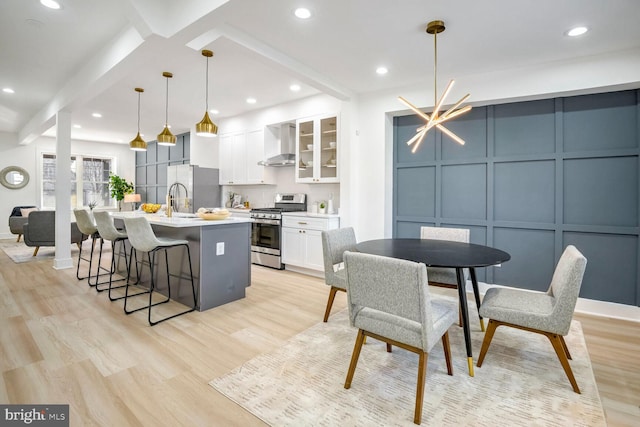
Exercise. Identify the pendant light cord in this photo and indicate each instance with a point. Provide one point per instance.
(435, 69)
(138, 112)
(166, 107)
(206, 97)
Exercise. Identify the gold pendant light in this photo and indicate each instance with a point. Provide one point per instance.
(206, 127)
(436, 119)
(166, 137)
(137, 143)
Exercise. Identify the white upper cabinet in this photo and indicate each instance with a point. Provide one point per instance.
(239, 156)
(317, 146)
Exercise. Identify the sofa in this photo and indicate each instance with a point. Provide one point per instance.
(16, 220)
(40, 230)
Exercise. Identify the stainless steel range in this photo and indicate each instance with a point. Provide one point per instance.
(266, 229)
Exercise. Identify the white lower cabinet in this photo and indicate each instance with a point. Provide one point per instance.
(302, 240)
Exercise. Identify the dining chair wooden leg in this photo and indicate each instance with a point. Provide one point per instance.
(332, 296)
(354, 358)
(488, 336)
(388, 348)
(560, 351)
(447, 352)
(19, 235)
(35, 251)
(564, 346)
(422, 373)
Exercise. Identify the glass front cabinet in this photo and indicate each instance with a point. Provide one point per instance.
(317, 146)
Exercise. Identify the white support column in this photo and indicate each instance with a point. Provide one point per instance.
(63, 191)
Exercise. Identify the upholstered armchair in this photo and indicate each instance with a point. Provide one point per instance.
(334, 244)
(389, 301)
(40, 230)
(547, 313)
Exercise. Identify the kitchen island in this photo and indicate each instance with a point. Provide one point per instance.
(220, 257)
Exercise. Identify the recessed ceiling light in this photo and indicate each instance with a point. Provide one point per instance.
(97, 115)
(251, 101)
(294, 88)
(302, 13)
(382, 70)
(214, 111)
(8, 90)
(77, 126)
(577, 31)
(51, 4)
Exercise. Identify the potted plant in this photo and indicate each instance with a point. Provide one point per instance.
(119, 187)
(322, 207)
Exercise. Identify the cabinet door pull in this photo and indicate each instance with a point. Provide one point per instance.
(302, 223)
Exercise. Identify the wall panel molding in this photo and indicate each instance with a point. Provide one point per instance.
(532, 178)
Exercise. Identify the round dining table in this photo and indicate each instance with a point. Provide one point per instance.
(446, 254)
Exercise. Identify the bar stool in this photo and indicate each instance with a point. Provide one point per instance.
(143, 239)
(108, 231)
(87, 228)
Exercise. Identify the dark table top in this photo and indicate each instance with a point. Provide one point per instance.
(436, 253)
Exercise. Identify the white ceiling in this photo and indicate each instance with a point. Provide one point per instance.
(89, 56)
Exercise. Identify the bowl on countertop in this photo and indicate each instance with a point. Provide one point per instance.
(213, 213)
(214, 216)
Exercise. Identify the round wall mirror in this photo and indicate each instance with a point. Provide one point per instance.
(14, 177)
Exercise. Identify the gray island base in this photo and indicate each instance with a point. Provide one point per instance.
(220, 258)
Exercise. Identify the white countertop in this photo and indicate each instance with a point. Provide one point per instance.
(179, 221)
(310, 214)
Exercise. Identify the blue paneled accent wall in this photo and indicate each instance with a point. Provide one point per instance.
(532, 178)
(151, 167)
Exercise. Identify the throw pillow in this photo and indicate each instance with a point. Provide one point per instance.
(25, 212)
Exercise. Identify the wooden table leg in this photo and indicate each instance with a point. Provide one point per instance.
(462, 293)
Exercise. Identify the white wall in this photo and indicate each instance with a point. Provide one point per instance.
(28, 157)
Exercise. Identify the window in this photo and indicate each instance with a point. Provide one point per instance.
(89, 181)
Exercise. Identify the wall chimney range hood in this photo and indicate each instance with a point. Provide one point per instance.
(286, 159)
(286, 156)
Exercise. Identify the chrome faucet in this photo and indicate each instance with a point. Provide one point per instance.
(174, 195)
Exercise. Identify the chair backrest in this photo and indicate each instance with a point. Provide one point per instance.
(389, 285)
(17, 210)
(85, 222)
(41, 227)
(334, 244)
(140, 234)
(565, 287)
(106, 227)
(445, 233)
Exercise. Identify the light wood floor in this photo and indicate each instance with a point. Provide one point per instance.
(61, 342)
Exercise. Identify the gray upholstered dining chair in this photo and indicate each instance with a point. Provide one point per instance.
(547, 313)
(334, 243)
(446, 277)
(389, 300)
(143, 239)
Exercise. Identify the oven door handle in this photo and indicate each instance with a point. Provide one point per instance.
(266, 221)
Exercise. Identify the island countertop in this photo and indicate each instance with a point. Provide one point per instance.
(180, 220)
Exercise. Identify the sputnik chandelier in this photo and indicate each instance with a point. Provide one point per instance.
(436, 119)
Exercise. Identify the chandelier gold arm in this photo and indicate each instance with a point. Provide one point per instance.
(414, 108)
(450, 134)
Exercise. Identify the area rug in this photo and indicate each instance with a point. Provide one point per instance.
(19, 252)
(521, 382)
